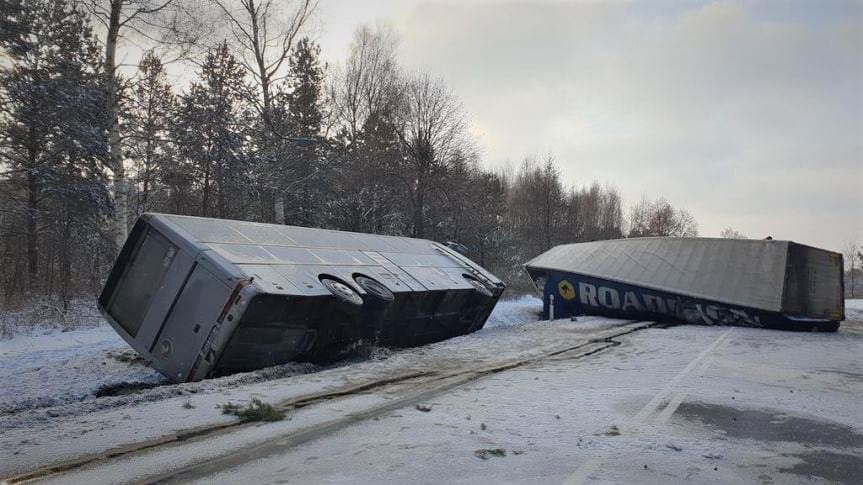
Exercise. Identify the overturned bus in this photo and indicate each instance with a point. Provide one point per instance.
(202, 297)
(755, 283)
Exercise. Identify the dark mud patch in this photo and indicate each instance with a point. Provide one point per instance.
(771, 425)
(835, 467)
(124, 388)
(127, 357)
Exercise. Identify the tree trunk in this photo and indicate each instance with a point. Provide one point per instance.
(66, 264)
(279, 208)
(419, 209)
(220, 194)
(205, 195)
(149, 155)
(32, 235)
(852, 275)
(112, 109)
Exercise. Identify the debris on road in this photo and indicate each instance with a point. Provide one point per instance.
(487, 453)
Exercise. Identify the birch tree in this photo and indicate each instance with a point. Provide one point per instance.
(168, 23)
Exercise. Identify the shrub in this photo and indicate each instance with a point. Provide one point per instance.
(256, 410)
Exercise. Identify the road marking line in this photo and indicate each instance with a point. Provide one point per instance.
(677, 400)
(588, 468)
(645, 412)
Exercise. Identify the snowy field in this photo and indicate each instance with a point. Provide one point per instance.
(663, 405)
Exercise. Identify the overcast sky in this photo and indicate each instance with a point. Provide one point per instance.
(748, 114)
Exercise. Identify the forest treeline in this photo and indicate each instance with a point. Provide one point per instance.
(259, 129)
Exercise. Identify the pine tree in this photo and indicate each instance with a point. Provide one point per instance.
(53, 134)
(303, 185)
(211, 130)
(305, 83)
(147, 126)
(367, 195)
(13, 27)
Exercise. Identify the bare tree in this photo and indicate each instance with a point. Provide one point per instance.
(729, 233)
(592, 213)
(367, 85)
(165, 22)
(431, 128)
(851, 254)
(659, 218)
(536, 207)
(264, 32)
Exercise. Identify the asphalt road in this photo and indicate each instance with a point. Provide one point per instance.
(666, 405)
(697, 404)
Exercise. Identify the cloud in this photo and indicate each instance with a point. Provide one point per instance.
(748, 116)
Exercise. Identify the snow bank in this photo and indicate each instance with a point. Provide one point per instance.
(518, 310)
(854, 306)
(43, 315)
(57, 367)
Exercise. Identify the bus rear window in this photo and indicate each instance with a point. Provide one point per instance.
(141, 280)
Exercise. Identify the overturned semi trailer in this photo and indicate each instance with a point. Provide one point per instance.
(755, 283)
(201, 297)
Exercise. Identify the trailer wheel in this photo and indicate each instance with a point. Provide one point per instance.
(375, 288)
(478, 286)
(342, 292)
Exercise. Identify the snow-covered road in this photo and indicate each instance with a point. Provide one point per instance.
(698, 404)
(681, 403)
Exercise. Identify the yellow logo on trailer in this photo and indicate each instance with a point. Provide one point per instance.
(567, 291)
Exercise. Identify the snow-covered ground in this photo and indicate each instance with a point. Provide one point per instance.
(854, 309)
(557, 419)
(47, 367)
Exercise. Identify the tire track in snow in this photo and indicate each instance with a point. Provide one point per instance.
(416, 387)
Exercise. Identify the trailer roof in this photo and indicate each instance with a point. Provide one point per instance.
(744, 272)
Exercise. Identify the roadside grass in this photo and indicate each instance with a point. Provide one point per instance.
(256, 410)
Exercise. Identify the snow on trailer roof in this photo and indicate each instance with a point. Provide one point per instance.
(744, 272)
